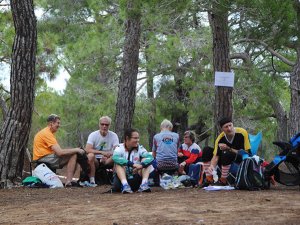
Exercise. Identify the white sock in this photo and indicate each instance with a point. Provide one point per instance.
(92, 180)
(145, 181)
(124, 182)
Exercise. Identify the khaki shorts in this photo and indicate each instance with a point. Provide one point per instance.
(54, 161)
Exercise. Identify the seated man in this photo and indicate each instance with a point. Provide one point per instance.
(99, 147)
(189, 152)
(47, 150)
(133, 164)
(165, 147)
(228, 147)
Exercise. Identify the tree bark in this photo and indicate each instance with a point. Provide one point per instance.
(151, 127)
(295, 97)
(152, 114)
(218, 18)
(16, 127)
(295, 82)
(127, 85)
(281, 117)
(179, 116)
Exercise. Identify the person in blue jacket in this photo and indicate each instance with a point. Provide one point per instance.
(133, 164)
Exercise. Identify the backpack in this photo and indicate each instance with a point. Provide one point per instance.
(250, 175)
(82, 160)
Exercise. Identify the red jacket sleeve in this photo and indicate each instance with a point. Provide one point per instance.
(193, 157)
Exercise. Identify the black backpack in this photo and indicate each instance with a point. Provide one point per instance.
(250, 175)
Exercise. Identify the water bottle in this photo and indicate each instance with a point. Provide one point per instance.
(215, 175)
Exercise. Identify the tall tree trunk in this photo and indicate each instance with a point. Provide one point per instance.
(218, 18)
(152, 114)
(16, 127)
(281, 116)
(179, 116)
(151, 127)
(294, 125)
(127, 84)
(295, 97)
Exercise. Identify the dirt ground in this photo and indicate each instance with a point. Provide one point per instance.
(279, 205)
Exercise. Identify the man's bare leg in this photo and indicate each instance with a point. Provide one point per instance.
(71, 166)
(91, 162)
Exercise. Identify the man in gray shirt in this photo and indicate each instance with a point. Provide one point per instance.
(100, 146)
(165, 147)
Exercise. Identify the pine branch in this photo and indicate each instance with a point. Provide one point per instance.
(268, 48)
(142, 85)
(243, 55)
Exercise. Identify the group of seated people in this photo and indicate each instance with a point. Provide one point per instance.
(132, 163)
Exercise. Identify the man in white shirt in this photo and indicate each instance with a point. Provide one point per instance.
(100, 146)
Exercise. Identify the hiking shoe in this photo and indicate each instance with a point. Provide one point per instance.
(144, 188)
(72, 184)
(219, 183)
(87, 184)
(205, 184)
(93, 185)
(126, 189)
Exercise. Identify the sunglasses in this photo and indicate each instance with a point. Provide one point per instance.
(104, 124)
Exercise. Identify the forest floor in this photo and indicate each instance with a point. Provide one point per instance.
(279, 205)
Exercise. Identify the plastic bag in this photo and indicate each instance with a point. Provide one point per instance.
(169, 182)
(166, 181)
(47, 176)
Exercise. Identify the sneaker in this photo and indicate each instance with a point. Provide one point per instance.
(204, 184)
(82, 184)
(144, 188)
(72, 184)
(126, 189)
(87, 184)
(93, 185)
(219, 183)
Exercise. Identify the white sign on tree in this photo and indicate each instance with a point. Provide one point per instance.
(224, 79)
